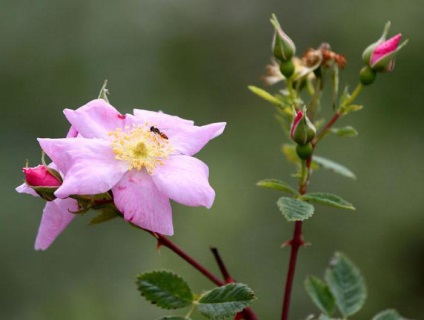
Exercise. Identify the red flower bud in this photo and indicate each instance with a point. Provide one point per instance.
(40, 176)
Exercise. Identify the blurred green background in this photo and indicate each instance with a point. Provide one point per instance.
(195, 59)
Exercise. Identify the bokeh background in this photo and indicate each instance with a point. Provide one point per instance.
(195, 59)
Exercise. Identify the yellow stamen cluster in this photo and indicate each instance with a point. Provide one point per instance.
(140, 147)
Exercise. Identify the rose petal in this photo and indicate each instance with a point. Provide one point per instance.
(88, 165)
(56, 217)
(184, 179)
(385, 48)
(189, 140)
(24, 188)
(159, 119)
(96, 119)
(141, 203)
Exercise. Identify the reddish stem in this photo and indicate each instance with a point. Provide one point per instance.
(222, 267)
(247, 313)
(296, 242)
(164, 241)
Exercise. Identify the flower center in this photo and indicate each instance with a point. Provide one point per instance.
(140, 147)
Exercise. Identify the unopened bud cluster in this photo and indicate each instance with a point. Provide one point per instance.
(283, 49)
(302, 132)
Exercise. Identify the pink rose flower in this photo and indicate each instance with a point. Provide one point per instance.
(145, 159)
(57, 213)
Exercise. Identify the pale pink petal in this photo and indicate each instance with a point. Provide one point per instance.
(72, 133)
(142, 204)
(189, 140)
(385, 48)
(24, 188)
(56, 217)
(88, 165)
(160, 119)
(184, 179)
(96, 119)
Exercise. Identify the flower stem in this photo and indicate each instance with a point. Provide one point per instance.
(248, 314)
(164, 241)
(296, 242)
(354, 94)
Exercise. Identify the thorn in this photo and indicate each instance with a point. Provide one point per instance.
(286, 244)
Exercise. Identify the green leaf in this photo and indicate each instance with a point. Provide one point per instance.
(174, 318)
(165, 289)
(106, 214)
(347, 131)
(277, 185)
(346, 284)
(388, 315)
(320, 295)
(225, 301)
(333, 166)
(265, 95)
(324, 317)
(294, 209)
(350, 108)
(328, 199)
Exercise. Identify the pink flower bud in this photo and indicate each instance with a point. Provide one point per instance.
(40, 176)
(380, 56)
(383, 54)
(296, 121)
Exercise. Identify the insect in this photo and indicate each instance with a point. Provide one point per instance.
(157, 131)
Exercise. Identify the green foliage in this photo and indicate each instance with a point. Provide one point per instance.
(294, 209)
(347, 131)
(225, 301)
(106, 214)
(350, 108)
(165, 289)
(174, 318)
(388, 315)
(289, 151)
(320, 295)
(333, 166)
(328, 199)
(346, 284)
(265, 95)
(277, 185)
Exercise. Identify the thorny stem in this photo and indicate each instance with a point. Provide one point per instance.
(297, 241)
(248, 314)
(164, 241)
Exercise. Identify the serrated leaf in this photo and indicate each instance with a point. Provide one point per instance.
(333, 166)
(174, 318)
(328, 199)
(346, 284)
(165, 289)
(277, 185)
(320, 295)
(106, 214)
(265, 95)
(225, 301)
(388, 315)
(347, 131)
(294, 209)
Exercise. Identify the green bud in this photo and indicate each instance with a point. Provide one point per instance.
(302, 130)
(304, 151)
(282, 46)
(287, 68)
(367, 76)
